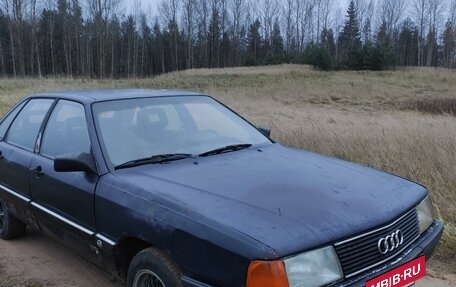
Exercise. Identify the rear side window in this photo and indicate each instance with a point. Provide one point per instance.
(24, 129)
(66, 131)
(6, 122)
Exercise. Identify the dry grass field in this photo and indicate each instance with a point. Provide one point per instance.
(399, 121)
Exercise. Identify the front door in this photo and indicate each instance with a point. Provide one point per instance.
(64, 201)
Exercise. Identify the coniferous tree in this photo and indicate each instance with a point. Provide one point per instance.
(63, 49)
(172, 39)
(350, 39)
(158, 49)
(431, 49)
(381, 55)
(367, 32)
(115, 41)
(46, 32)
(254, 43)
(225, 50)
(317, 56)
(328, 42)
(128, 29)
(76, 24)
(408, 44)
(4, 44)
(276, 53)
(449, 45)
(214, 38)
(383, 39)
(243, 45)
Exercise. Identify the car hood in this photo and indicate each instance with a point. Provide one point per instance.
(288, 199)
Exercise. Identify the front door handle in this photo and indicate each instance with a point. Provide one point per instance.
(38, 171)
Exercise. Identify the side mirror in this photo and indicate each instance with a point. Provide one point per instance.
(265, 131)
(83, 163)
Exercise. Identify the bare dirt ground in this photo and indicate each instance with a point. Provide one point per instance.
(40, 261)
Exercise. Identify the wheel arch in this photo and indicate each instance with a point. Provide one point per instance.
(125, 250)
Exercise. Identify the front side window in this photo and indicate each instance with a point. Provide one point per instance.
(6, 122)
(138, 128)
(25, 127)
(66, 131)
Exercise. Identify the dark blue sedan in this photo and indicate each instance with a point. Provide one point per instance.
(170, 188)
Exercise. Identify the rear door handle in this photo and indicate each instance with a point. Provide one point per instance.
(38, 171)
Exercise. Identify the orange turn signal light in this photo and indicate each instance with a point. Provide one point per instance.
(267, 274)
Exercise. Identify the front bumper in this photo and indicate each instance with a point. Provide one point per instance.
(424, 245)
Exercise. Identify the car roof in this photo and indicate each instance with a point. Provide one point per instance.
(98, 95)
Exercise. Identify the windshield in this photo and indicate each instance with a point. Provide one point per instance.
(138, 128)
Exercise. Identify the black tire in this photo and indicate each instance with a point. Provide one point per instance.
(152, 267)
(10, 226)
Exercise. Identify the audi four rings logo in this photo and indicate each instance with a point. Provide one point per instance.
(390, 242)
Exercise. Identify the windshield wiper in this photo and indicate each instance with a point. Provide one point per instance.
(155, 159)
(233, 147)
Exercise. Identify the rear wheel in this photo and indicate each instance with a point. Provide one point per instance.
(153, 268)
(10, 227)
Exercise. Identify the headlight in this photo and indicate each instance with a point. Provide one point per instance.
(314, 268)
(425, 214)
(310, 269)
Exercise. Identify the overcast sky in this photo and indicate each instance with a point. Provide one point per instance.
(145, 5)
(153, 4)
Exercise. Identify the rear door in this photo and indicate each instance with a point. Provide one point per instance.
(63, 201)
(16, 150)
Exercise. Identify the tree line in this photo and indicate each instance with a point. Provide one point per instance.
(98, 39)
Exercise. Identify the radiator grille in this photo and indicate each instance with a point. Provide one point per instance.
(361, 252)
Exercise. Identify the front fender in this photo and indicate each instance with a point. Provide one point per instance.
(204, 250)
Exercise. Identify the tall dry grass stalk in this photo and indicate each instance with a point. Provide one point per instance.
(402, 121)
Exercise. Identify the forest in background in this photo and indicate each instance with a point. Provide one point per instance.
(98, 39)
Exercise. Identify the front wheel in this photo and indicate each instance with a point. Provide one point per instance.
(10, 226)
(153, 268)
